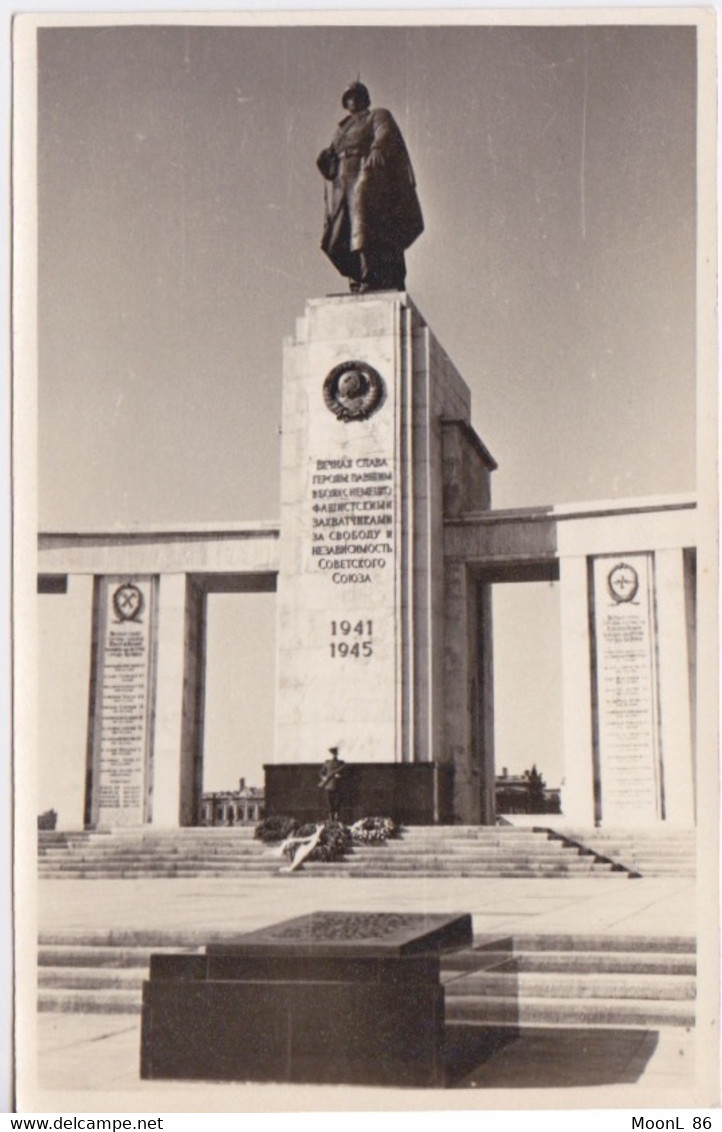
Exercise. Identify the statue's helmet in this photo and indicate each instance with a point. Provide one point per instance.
(363, 98)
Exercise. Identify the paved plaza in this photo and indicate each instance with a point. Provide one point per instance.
(90, 1062)
(611, 904)
(545, 1067)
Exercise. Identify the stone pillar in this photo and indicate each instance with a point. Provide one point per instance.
(458, 650)
(674, 692)
(193, 713)
(179, 707)
(368, 398)
(483, 734)
(469, 696)
(122, 696)
(65, 634)
(343, 621)
(578, 777)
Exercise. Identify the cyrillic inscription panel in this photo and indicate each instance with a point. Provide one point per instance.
(626, 688)
(123, 701)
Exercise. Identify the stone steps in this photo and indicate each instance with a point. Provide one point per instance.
(65, 1001)
(484, 1010)
(149, 846)
(150, 860)
(444, 869)
(651, 852)
(565, 984)
(524, 855)
(500, 871)
(379, 860)
(395, 850)
(405, 844)
(151, 868)
(89, 956)
(593, 962)
(93, 978)
(607, 942)
(526, 979)
(472, 851)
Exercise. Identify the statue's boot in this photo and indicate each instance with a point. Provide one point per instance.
(383, 270)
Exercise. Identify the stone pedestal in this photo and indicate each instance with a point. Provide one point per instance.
(410, 793)
(377, 448)
(328, 998)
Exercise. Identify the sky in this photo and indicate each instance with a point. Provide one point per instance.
(180, 215)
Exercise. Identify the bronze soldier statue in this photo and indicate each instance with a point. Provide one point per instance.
(374, 215)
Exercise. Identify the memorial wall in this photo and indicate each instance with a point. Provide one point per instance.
(627, 633)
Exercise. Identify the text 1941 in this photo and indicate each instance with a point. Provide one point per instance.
(351, 639)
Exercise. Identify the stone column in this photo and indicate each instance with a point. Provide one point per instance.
(65, 634)
(170, 788)
(360, 584)
(483, 737)
(578, 784)
(674, 693)
(369, 398)
(469, 700)
(458, 680)
(342, 620)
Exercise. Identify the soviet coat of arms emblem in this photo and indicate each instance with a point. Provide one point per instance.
(353, 391)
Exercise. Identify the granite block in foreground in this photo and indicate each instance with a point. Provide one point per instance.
(331, 997)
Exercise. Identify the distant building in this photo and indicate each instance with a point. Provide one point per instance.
(234, 807)
(516, 794)
(48, 819)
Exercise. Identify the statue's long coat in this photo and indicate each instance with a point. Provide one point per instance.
(371, 209)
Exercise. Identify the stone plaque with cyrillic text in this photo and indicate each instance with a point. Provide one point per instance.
(120, 760)
(626, 688)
